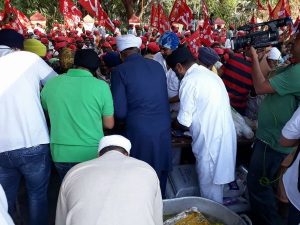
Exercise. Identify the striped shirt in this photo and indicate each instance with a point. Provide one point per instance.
(238, 81)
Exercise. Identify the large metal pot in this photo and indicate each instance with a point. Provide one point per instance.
(211, 208)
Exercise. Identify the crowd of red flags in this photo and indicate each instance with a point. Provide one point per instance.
(95, 9)
(180, 13)
(158, 18)
(14, 18)
(281, 10)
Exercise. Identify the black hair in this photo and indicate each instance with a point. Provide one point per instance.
(113, 147)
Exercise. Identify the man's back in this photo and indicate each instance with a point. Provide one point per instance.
(21, 116)
(113, 189)
(238, 81)
(204, 105)
(146, 89)
(76, 102)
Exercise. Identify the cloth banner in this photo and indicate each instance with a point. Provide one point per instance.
(14, 18)
(94, 8)
(281, 10)
(163, 21)
(72, 15)
(154, 16)
(181, 13)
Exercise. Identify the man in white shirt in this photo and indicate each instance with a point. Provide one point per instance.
(205, 110)
(24, 138)
(113, 189)
(168, 43)
(291, 178)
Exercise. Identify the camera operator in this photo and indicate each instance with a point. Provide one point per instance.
(278, 106)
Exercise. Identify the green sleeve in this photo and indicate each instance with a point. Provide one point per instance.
(43, 100)
(108, 105)
(287, 82)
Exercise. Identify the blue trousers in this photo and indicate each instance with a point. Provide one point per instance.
(63, 168)
(34, 165)
(262, 177)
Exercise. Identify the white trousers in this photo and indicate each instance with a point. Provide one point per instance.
(212, 191)
(208, 189)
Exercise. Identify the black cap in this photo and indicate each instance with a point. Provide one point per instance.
(87, 58)
(11, 38)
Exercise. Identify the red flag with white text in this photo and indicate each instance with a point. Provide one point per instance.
(181, 13)
(281, 10)
(163, 21)
(154, 16)
(201, 36)
(14, 18)
(72, 15)
(206, 33)
(204, 10)
(94, 8)
(194, 42)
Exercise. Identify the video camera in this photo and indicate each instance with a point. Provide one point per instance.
(262, 38)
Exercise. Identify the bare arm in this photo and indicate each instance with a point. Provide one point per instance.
(260, 83)
(288, 142)
(108, 122)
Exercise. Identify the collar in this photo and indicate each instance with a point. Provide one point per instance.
(79, 73)
(195, 65)
(133, 57)
(5, 50)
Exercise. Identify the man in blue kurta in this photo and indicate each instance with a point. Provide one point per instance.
(140, 96)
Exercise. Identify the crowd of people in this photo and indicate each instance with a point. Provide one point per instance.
(61, 91)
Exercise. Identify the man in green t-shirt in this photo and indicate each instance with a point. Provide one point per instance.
(79, 106)
(282, 94)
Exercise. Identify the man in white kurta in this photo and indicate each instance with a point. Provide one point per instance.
(113, 189)
(205, 110)
(291, 178)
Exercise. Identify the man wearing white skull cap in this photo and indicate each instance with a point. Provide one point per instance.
(128, 41)
(112, 189)
(140, 95)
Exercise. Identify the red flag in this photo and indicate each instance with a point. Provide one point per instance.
(269, 9)
(204, 10)
(260, 6)
(181, 13)
(1, 16)
(295, 26)
(71, 13)
(154, 16)
(163, 21)
(281, 10)
(194, 43)
(94, 8)
(106, 22)
(206, 33)
(14, 18)
(253, 19)
(7, 5)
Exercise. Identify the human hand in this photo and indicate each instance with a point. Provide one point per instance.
(253, 53)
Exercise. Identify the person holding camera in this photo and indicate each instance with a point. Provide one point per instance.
(281, 101)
